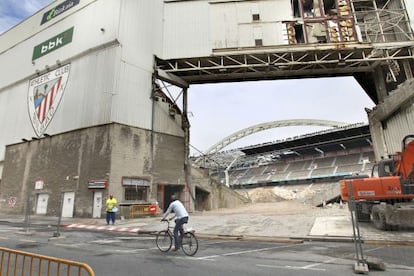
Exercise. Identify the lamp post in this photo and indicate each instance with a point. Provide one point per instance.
(57, 233)
(27, 213)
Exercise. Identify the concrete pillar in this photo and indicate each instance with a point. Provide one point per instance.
(380, 85)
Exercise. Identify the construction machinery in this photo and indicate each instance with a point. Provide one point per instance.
(385, 197)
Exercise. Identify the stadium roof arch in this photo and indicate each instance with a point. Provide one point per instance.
(270, 125)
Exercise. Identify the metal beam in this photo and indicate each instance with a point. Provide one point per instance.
(287, 62)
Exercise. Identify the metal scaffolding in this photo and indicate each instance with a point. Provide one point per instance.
(361, 35)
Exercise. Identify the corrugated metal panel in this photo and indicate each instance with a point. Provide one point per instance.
(186, 29)
(32, 25)
(401, 124)
(140, 32)
(86, 100)
(195, 28)
(166, 121)
(15, 123)
(410, 118)
(89, 92)
(132, 103)
(87, 35)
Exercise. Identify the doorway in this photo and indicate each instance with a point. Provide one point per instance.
(41, 206)
(68, 204)
(97, 204)
(169, 190)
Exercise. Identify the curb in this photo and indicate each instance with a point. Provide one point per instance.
(293, 240)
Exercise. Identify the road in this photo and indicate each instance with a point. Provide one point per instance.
(111, 254)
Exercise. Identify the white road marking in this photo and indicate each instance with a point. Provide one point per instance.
(373, 249)
(136, 238)
(246, 251)
(129, 251)
(70, 245)
(27, 240)
(291, 267)
(105, 241)
(316, 264)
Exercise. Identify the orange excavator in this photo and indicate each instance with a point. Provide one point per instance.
(387, 196)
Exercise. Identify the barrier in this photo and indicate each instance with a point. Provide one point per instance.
(138, 210)
(15, 262)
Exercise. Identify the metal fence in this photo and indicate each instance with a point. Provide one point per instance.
(14, 262)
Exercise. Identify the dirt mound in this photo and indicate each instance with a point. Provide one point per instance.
(264, 195)
(312, 194)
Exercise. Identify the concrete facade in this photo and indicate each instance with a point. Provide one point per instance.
(69, 161)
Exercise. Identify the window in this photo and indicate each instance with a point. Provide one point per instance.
(256, 17)
(136, 193)
(135, 188)
(258, 42)
(257, 35)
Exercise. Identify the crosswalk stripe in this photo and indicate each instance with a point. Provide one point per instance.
(104, 228)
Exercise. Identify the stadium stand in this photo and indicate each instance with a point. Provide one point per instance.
(322, 157)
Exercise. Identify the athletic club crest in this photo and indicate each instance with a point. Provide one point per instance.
(45, 93)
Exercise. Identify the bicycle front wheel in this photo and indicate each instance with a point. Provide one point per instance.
(189, 244)
(164, 241)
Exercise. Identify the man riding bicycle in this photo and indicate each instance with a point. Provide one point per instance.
(181, 217)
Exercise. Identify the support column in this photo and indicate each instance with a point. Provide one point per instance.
(187, 165)
(380, 85)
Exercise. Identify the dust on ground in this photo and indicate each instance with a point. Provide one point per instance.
(288, 200)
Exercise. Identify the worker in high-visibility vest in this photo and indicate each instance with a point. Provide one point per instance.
(111, 209)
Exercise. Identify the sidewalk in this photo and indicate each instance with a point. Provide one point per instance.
(327, 226)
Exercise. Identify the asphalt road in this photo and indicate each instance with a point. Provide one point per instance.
(111, 254)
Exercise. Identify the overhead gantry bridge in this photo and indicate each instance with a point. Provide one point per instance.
(377, 50)
(360, 60)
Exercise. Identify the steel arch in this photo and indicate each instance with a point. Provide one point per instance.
(269, 125)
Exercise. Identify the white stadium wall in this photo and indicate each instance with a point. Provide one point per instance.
(241, 31)
(197, 28)
(186, 29)
(111, 57)
(87, 95)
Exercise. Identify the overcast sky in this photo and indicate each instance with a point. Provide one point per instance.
(218, 110)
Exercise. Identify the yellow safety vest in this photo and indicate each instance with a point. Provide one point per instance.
(110, 203)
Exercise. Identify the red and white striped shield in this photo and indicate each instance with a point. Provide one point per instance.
(45, 94)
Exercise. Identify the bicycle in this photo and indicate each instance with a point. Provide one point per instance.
(164, 240)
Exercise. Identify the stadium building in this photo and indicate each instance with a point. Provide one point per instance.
(318, 159)
(85, 105)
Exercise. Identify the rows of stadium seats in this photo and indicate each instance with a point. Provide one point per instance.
(332, 166)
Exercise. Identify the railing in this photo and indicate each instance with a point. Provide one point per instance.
(15, 262)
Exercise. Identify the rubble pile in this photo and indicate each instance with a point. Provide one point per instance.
(312, 193)
(264, 195)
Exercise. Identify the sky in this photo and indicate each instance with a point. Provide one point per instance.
(218, 110)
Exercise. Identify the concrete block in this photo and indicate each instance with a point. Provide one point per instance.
(361, 268)
(375, 264)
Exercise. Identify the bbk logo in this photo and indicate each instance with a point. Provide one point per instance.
(44, 96)
(52, 44)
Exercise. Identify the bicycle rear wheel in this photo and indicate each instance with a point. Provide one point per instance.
(189, 244)
(164, 241)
